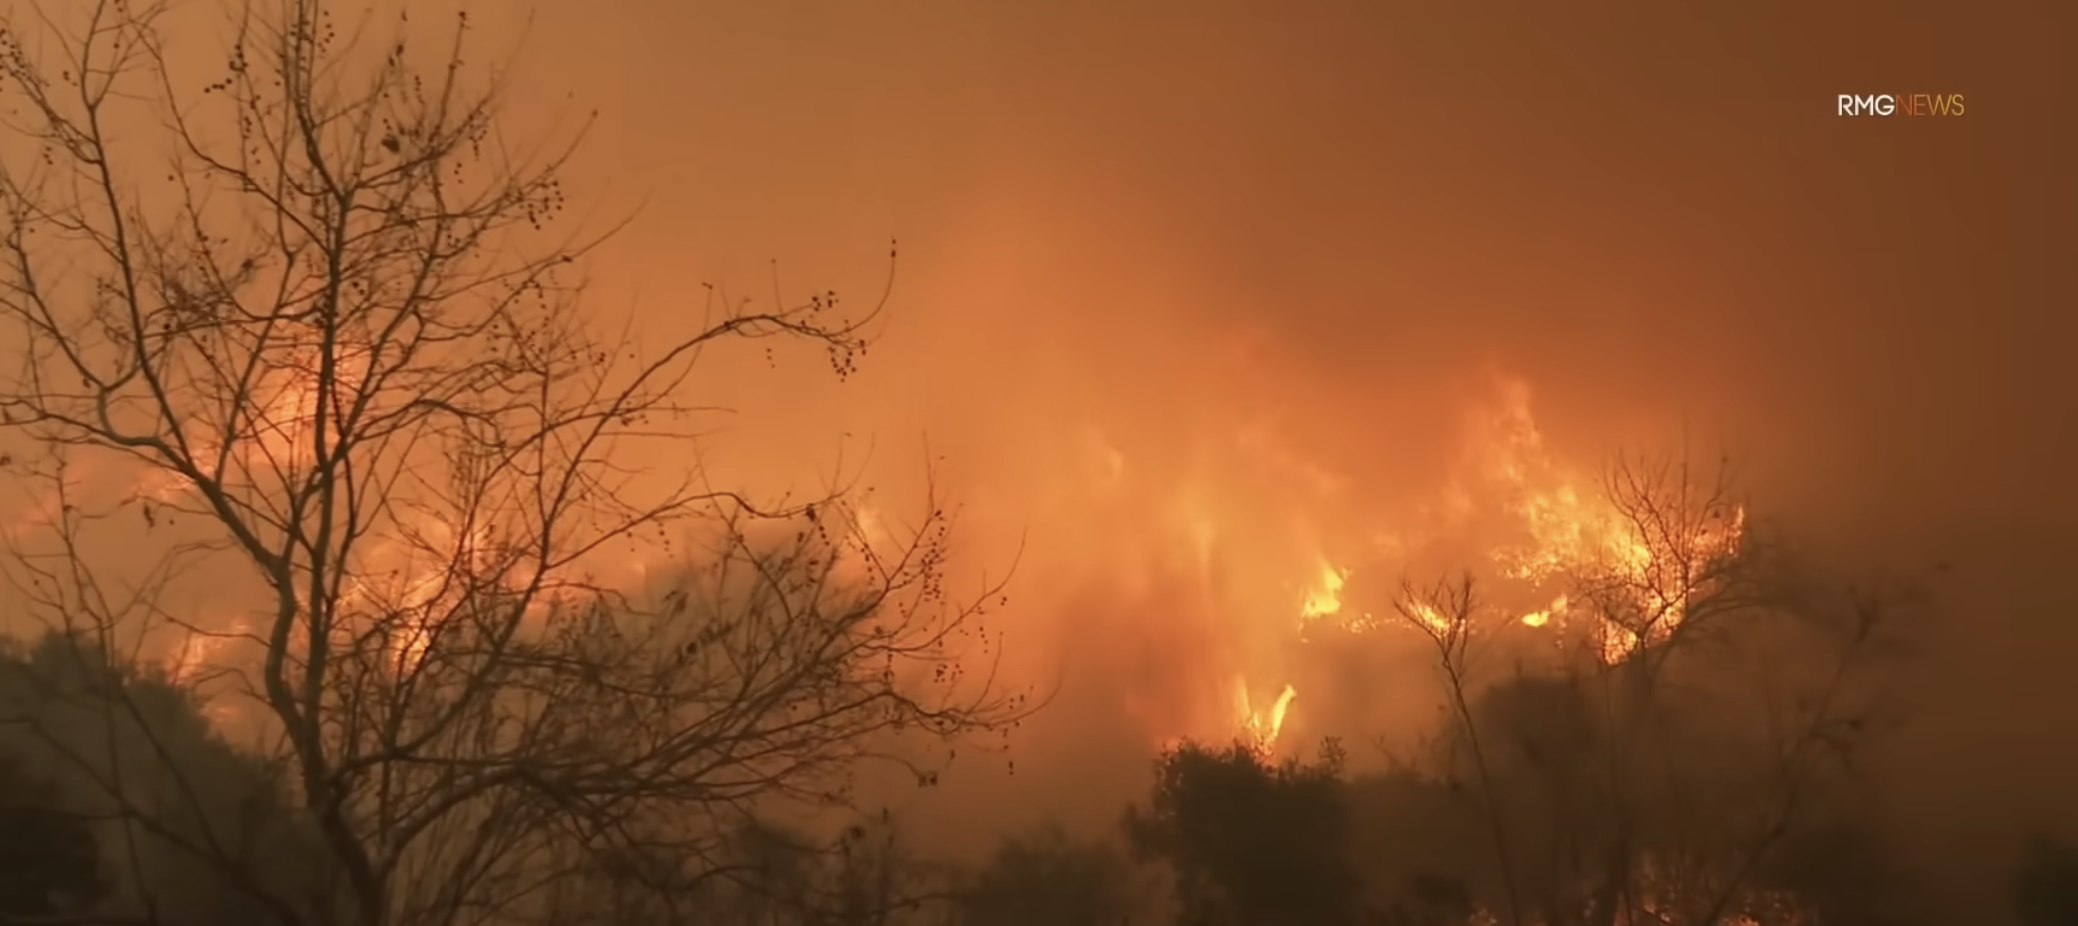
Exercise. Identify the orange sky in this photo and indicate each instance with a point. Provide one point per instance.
(1137, 237)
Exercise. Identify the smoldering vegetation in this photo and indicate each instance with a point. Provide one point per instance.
(1684, 750)
(353, 592)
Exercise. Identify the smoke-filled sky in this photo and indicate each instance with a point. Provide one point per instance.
(1250, 276)
(1147, 227)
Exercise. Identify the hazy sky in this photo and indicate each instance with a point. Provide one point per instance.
(1134, 233)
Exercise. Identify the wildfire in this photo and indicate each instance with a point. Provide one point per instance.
(1542, 525)
(1261, 727)
(1537, 522)
(1574, 530)
(1323, 598)
(1558, 609)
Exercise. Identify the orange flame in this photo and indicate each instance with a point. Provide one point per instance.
(1261, 727)
(1563, 526)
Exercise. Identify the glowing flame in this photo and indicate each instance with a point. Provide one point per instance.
(1573, 532)
(1555, 528)
(1324, 597)
(1557, 608)
(1261, 727)
(1320, 599)
(1559, 526)
(1431, 619)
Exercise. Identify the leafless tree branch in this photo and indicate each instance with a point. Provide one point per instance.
(336, 328)
(1640, 832)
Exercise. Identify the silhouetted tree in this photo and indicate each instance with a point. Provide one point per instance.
(127, 797)
(1421, 846)
(325, 319)
(763, 875)
(1704, 702)
(50, 862)
(1251, 842)
(1045, 878)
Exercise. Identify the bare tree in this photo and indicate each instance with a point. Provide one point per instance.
(325, 319)
(1647, 773)
(1444, 613)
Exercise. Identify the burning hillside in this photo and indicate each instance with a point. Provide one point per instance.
(1532, 528)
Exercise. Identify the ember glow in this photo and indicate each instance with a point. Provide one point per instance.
(1541, 523)
(1224, 333)
(1324, 597)
(1270, 573)
(1261, 726)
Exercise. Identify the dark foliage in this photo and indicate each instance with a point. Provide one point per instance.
(118, 799)
(1251, 841)
(1045, 878)
(50, 862)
